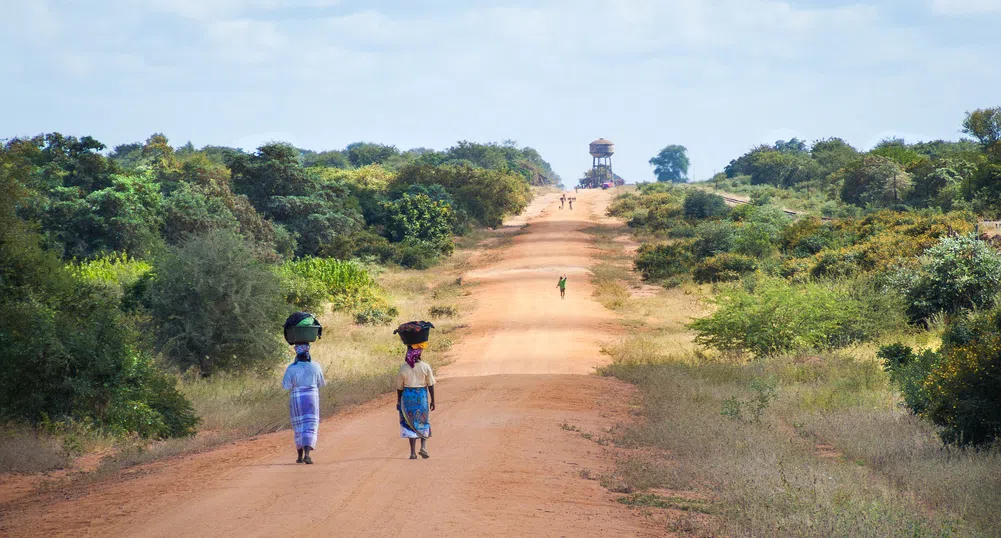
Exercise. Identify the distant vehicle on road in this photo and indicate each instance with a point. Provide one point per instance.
(606, 185)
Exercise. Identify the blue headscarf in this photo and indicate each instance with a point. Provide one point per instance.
(302, 353)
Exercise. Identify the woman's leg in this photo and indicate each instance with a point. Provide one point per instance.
(299, 460)
(424, 452)
(413, 448)
(306, 457)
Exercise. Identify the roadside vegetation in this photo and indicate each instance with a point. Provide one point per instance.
(142, 290)
(843, 377)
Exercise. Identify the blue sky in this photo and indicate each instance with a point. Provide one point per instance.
(718, 76)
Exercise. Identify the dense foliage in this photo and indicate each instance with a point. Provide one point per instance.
(833, 177)
(66, 348)
(894, 251)
(957, 387)
(121, 268)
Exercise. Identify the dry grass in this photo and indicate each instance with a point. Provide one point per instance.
(767, 477)
(24, 451)
(833, 453)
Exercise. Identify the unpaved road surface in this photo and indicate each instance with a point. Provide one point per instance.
(501, 464)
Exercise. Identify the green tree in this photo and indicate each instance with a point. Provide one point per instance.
(985, 125)
(316, 212)
(126, 216)
(671, 164)
(215, 306)
(956, 274)
(833, 154)
(487, 196)
(875, 180)
(66, 350)
(420, 220)
(366, 153)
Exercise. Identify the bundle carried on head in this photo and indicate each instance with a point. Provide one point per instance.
(415, 335)
(302, 328)
(414, 332)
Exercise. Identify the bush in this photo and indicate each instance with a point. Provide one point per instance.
(724, 267)
(346, 284)
(774, 317)
(215, 307)
(958, 273)
(66, 350)
(116, 273)
(704, 205)
(712, 238)
(443, 311)
(305, 294)
(418, 255)
(959, 387)
(376, 316)
(663, 261)
(419, 219)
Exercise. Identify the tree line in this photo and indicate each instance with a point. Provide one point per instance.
(120, 268)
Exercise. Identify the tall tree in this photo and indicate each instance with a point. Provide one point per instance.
(671, 164)
(985, 125)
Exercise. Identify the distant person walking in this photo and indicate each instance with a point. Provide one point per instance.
(303, 379)
(562, 200)
(571, 203)
(414, 387)
(562, 285)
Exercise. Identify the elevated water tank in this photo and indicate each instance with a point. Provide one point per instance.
(602, 148)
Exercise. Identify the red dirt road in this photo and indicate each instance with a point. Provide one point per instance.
(500, 462)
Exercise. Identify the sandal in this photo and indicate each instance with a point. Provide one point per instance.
(424, 454)
(307, 460)
(413, 456)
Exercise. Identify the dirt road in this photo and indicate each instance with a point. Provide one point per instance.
(500, 462)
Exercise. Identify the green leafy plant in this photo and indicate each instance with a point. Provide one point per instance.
(215, 307)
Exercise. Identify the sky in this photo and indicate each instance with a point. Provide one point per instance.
(717, 76)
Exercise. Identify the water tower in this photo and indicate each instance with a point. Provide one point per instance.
(601, 166)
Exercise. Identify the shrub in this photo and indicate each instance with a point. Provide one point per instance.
(215, 307)
(66, 350)
(704, 205)
(418, 218)
(724, 267)
(418, 255)
(712, 238)
(443, 311)
(346, 284)
(376, 316)
(305, 294)
(116, 273)
(663, 261)
(959, 387)
(774, 317)
(956, 274)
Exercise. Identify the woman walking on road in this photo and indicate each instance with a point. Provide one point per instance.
(415, 398)
(303, 378)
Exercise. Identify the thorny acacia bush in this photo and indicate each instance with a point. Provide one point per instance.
(215, 307)
(767, 316)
